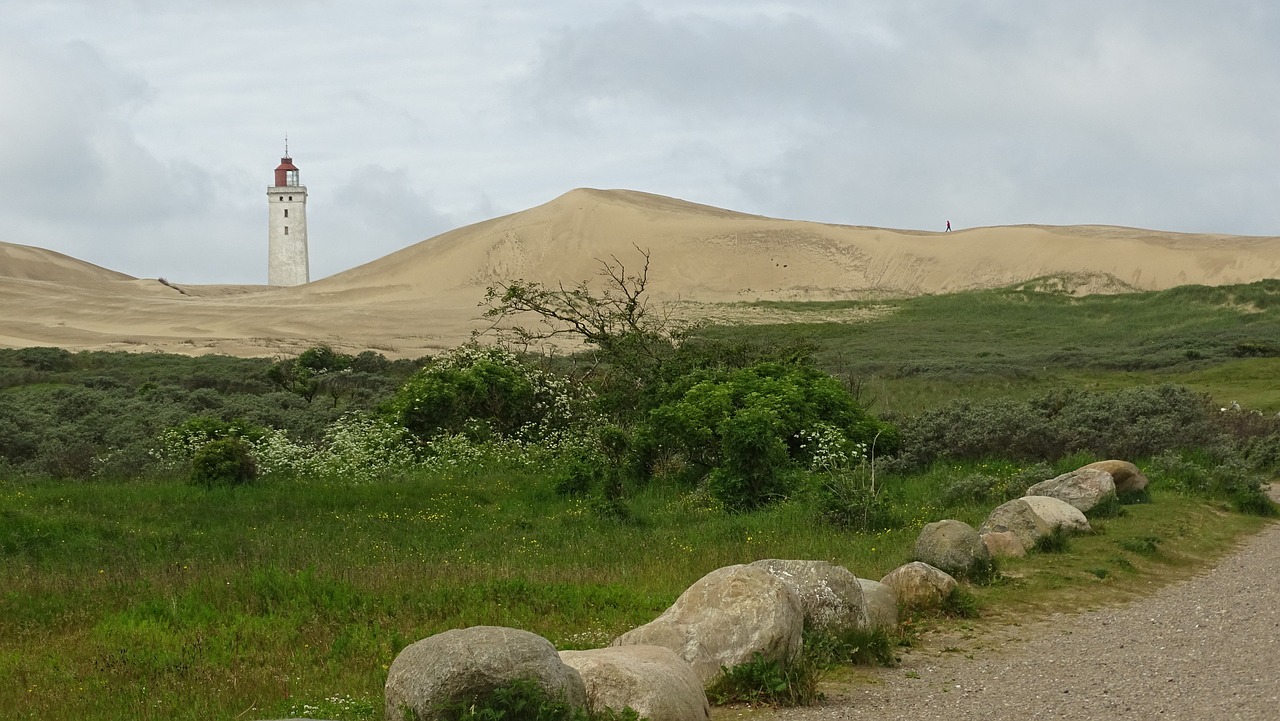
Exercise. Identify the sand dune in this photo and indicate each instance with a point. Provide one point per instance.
(425, 297)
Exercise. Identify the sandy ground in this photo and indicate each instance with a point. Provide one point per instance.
(427, 297)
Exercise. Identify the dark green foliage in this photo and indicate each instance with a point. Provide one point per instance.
(992, 489)
(982, 572)
(1220, 475)
(1057, 540)
(768, 681)
(99, 414)
(1109, 507)
(525, 700)
(486, 394)
(1145, 545)
(857, 646)
(1129, 423)
(960, 603)
(754, 461)
(744, 426)
(848, 500)
(224, 462)
(45, 359)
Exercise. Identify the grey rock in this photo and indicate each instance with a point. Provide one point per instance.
(882, 604)
(952, 546)
(919, 586)
(1016, 517)
(725, 618)
(653, 680)
(463, 663)
(829, 594)
(1057, 513)
(1083, 488)
(1003, 544)
(1127, 477)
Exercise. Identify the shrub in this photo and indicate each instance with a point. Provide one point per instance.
(849, 500)
(1128, 423)
(1231, 479)
(960, 603)
(768, 681)
(476, 391)
(750, 428)
(1056, 541)
(226, 461)
(858, 646)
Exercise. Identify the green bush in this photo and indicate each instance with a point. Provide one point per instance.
(1057, 540)
(1128, 423)
(830, 648)
(476, 391)
(749, 428)
(768, 681)
(1229, 478)
(224, 462)
(848, 500)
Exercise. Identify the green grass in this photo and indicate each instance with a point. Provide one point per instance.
(1014, 343)
(161, 600)
(167, 601)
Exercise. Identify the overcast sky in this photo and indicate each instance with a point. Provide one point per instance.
(141, 134)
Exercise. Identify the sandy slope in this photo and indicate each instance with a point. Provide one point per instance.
(425, 297)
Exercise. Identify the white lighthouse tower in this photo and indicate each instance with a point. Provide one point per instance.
(287, 227)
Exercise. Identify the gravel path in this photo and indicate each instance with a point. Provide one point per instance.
(1205, 648)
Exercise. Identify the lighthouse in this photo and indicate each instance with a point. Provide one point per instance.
(287, 227)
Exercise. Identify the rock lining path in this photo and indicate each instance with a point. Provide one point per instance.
(1204, 648)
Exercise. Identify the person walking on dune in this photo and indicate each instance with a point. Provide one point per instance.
(948, 226)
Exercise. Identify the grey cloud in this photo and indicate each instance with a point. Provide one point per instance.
(376, 213)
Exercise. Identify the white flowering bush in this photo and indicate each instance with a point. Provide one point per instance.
(362, 447)
(177, 446)
(828, 448)
(278, 455)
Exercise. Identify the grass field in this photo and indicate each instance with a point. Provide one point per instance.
(164, 601)
(152, 598)
(1014, 343)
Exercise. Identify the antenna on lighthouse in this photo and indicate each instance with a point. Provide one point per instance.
(286, 145)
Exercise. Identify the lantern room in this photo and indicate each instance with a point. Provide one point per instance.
(287, 174)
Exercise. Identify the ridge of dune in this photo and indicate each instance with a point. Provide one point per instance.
(710, 254)
(26, 262)
(425, 296)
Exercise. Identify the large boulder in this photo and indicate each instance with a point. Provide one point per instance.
(954, 547)
(882, 604)
(724, 619)
(1083, 488)
(1018, 518)
(462, 664)
(829, 594)
(1003, 544)
(1058, 514)
(919, 586)
(653, 680)
(1125, 475)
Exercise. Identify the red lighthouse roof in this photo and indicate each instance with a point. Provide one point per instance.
(286, 172)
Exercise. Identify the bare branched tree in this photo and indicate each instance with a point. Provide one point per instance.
(617, 319)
